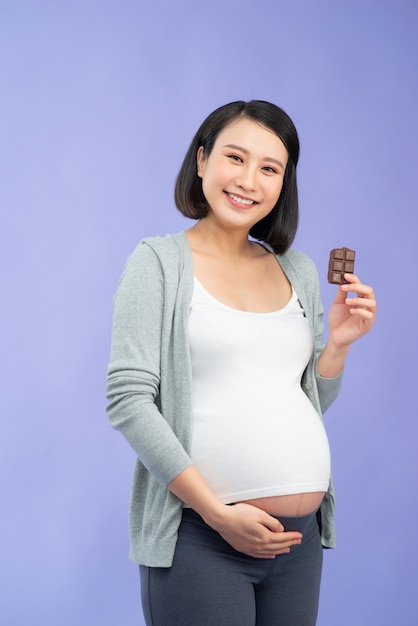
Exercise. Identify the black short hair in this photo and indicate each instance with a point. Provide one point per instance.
(278, 228)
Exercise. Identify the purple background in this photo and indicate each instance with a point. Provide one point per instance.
(98, 103)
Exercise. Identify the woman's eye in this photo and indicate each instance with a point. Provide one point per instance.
(235, 157)
(269, 169)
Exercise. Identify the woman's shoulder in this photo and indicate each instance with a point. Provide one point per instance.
(300, 261)
(162, 245)
(302, 273)
(165, 250)
(165, 258)
(157, 258)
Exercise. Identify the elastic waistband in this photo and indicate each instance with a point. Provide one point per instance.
(298, 523)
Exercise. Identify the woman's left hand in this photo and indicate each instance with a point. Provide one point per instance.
(351, 316)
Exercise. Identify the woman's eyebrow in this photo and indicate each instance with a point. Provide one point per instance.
(245, 151)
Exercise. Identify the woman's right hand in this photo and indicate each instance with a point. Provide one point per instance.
(254, 532)
(246, 528)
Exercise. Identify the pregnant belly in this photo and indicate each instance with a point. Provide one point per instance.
(289, 505)
(279, 462)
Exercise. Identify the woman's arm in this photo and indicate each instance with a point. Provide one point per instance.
(349, 319)
(133, 382)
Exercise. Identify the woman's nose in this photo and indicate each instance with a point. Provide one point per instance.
(248, 179)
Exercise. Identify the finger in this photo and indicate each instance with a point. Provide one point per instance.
(283, 542)
(364, 303)
(364, 313)
(354, 284)
(364, 299)
(288, 538)
(351, 279)
(285, 546)
(271, 553)
(340, 296)
(274, 541)
(272, 523)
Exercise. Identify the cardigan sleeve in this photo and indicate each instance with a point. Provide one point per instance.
(328, 388)
(133, 382)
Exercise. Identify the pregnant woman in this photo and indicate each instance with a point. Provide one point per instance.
(218, 378)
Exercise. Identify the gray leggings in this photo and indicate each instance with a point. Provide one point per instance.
(211, 584)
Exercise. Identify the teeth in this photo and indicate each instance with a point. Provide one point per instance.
(240, 200)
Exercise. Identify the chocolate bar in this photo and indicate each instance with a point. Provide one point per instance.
(341, 260)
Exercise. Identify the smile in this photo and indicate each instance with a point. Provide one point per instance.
(240, 200)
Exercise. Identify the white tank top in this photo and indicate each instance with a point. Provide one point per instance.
(254, 431)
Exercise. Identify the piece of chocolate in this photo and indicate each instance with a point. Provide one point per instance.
(341, 261)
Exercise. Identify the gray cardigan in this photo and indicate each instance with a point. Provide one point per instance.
(149, 383)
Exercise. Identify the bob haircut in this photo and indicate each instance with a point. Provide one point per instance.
(278, 228)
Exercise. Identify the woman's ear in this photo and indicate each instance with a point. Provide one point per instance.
(201, 161)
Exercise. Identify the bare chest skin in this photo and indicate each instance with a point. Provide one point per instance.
(258, 285)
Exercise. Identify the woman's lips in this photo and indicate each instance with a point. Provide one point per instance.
(240, 200)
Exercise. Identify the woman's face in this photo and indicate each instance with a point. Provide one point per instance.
(243, 176)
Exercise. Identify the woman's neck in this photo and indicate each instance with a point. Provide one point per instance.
(211, 239)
